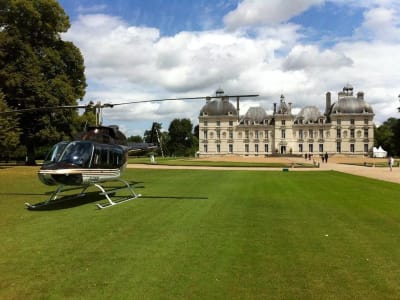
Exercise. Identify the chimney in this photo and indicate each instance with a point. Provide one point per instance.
(360, 95)
(238, 107)
(328, 101)
(290, 108)
(274, 108)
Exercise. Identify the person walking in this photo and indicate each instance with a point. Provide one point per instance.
(326, 157)
(391, 163)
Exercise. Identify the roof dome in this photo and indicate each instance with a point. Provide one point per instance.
(256, 114)
(350, 105)
(309, 114)
(219, 107)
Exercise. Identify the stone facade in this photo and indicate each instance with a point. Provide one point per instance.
(346, 127)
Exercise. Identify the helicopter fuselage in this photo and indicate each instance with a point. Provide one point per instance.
(83, 162)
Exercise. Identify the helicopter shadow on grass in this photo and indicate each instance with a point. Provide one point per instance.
(175, 197)
(74, 200)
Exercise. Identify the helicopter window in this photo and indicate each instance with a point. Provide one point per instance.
(107, 157)
(55, 153)
(78, 153)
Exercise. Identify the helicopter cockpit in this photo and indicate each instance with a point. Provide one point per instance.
(76, 153)
(86, 154)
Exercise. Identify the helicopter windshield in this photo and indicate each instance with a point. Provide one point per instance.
(77, 153)
(55, 153)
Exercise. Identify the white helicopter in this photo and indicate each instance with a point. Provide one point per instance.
(98, 155)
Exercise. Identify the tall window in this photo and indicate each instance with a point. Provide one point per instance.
(205, 148)
(338, 147)
(266, 134)
(311, 133)
(321, 133)
(300, 148)
(366, 132)
(230, 123)
(365, 148)
(321, 148)
(230, 148)
(218, 134)
(352, 135)
(246, 134)
(300, 133)
(256, 148)
(246, 148)
(283, 133)
(266, 148)
(231, 134)
(205, 134)
(283, 122)
(218, 148)
(352, 148)
(338, 133)
(256, 134)
(351, 121)
(310, 148)
(218, 123)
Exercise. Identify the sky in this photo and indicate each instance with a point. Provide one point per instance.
(138, 50)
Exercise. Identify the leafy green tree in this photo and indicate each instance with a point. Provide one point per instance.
(9, 130)
(388, 136)
(39, 69)
(181, 140)
(135, 139)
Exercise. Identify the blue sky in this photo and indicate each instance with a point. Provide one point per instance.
(137, 50)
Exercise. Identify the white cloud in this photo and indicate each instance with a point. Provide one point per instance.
(380, 23)
(261, 12)
(310, 57)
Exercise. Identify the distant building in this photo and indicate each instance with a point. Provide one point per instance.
(346, 126)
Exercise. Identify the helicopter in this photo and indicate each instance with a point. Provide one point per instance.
(99, 154)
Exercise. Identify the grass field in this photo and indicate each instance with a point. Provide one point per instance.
(205, 235)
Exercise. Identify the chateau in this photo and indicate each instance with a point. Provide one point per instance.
(346, 127)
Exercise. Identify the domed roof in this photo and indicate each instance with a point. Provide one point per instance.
(218, 107)
(309, 113)
(256, 114)
(350, 105)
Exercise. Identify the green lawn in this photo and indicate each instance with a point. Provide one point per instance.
(205, 235)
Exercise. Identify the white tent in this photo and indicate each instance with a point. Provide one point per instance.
(379, 152)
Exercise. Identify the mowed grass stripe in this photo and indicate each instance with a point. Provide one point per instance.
(203, 234)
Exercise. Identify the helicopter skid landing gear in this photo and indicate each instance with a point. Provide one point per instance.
(53, 198)
(107, 194)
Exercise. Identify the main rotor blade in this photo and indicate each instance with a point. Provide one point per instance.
(43, 109)
(105, 105)
(179, 99)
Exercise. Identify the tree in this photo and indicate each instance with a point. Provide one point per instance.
(388, 136)
(39, 69)
(9, 130)
(135, 139)
(181, 140)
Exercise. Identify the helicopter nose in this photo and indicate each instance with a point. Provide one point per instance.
(46, 179)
